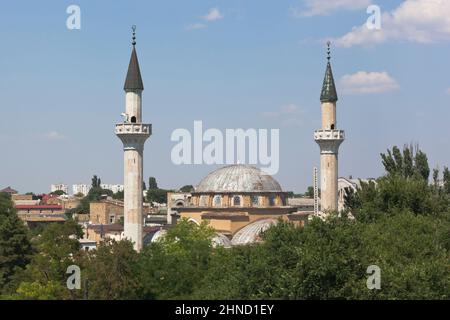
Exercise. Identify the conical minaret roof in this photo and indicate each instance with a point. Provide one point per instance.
(134, 79)
(329, 93)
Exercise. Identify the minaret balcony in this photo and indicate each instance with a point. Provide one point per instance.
(329, 140)
(133, 129)
(329, 135)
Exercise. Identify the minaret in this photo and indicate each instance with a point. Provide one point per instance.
(133, 134)
(329, 139)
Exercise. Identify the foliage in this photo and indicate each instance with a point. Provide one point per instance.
(157, 195)
(58, 193)
(173, 267)
(398, 222)
(57, 247)
(187, 188)
(15, 246)
(310, 192)
(118, 195)
(152, 184)
(52, 290)
(110, 271)
(96, 182)
(411, 162)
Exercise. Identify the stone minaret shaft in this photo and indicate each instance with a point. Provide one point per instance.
(329, 139)
(133, 134)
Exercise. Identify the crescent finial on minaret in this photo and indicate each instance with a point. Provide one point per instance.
(328, 50)
(328, 93)
(133, 27)
(134, 79)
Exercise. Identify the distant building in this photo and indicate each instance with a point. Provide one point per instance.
(35, 215)
(84, 188)
(346, 184)
(87, 244)
(174, 200)
(105, 212)
(59, 187)
(240, 202)
(24, 199)
(81, 189)
(302, 204)
(113, 187)
(67, 202)
(100, 232)
(9, 190)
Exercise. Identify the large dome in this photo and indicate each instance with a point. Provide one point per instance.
(238, 178)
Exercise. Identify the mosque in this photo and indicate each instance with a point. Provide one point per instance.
(238, 201)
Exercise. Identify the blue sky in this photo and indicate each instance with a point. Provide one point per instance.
(231, 64)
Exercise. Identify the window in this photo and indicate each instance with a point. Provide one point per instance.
(133, 119)
(332, 126)
(236, 201)
(255, 201)
(112, 219)
(202, 201)
(217, 201)
(271, 201)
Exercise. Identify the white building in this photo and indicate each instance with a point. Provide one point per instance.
(113, 187)
(81, 188)
(59, 187)
(345, 184)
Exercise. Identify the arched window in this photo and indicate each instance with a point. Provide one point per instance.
(255, 201)
(217, 201)
(203, 201)
(133, 119)
(332, 126)
(271, 201)
(236, 201)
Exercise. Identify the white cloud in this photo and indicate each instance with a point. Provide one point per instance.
(289, 115)
(54, 135)
(324, 7)
(363, 82)
(213, 15)
(420, 21)
(195, 26)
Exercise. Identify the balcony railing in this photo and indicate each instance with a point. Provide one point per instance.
(329, 135)
(133, 128)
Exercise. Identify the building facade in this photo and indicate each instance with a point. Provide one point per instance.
(81, 189)
(239, 202)
(59, 187)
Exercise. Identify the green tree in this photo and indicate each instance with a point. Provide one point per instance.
(187, 188)
(310, 192)
(412, 161)
(96, 182)
(172, 268)
(119, 195)
(15, 246)
(51, 290)
(110, 271)
(446, 180)
(57, 248)
(58, 192)
(157, 195)
(152, 184)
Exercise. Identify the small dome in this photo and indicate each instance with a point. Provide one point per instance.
(159, 235)
(238, 178)
(220, 240)
(252, 233)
